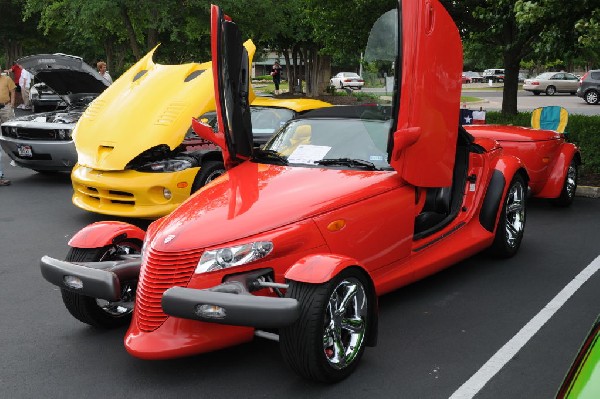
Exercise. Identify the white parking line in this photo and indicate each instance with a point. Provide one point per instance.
(474, 384)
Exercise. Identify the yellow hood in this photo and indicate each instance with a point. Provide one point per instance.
(149, 105)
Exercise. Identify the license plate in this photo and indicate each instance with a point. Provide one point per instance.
(24, 151)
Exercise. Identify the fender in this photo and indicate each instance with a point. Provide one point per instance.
(319, 268)
(503, 172)
(556, 178)
(101, 234)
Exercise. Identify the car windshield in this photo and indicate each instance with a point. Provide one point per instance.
(545, 75)
(267, 120)
(330, 140)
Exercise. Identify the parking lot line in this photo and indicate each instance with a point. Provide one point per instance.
(474, 384)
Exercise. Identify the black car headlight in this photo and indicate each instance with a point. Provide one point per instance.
(167, 165)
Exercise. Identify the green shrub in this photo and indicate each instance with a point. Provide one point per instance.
(582, 130)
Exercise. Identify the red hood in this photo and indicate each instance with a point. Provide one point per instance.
(233, 207)
(511, 133)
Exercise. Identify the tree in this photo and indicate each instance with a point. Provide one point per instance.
(514, 30)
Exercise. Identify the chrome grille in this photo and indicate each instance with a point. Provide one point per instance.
(161, 271)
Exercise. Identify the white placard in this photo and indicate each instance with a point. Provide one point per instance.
(306, 153)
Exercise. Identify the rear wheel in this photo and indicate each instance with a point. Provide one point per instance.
(592, 97)
(511, 224)
(329, 338)
(99, 312)
(567, 194)
(550, 90)
(209, 171)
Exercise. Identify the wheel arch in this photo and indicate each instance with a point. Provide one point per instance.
(503, 172)
(320, 268)
(104, 233)
(556, 178)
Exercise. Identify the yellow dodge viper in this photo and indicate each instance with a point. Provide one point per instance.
(137, 155)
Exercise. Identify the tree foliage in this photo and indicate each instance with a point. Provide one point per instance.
(310, 34)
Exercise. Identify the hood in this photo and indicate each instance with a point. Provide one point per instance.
(149, 105)
(233, 203)
(511, 133)
(66, 75)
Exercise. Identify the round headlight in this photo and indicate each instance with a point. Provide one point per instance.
(167, 193)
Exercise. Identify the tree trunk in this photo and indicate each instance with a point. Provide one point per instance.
(511, 83)
(130, 32)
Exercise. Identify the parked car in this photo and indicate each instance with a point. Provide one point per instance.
(42, 98)
(589, 87)
(581, 381)
(551, 83)
(347, 79)
(495, 75)
(284, 245)
(471, 77)
(43, 142)
(150, 160)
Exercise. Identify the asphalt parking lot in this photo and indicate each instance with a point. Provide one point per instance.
(435, 335)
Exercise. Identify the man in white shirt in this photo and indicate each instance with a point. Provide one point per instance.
(25, 83)
(101, 66)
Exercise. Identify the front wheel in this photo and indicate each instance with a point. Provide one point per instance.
(550, 90)
(567, 194)
(99, 312)
(511, 224)
(592, 97)
(209, 171)
(327, 341)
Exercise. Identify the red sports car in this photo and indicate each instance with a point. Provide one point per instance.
(299, 238)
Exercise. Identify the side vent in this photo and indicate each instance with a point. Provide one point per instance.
(103, 152)
(194, 75)
(94, 109)
(170, 114)
(139, 74)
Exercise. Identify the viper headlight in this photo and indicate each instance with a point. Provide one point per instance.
(222, 258)
(167, 165)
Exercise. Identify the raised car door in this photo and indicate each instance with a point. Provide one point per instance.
(427, 94)
(231, 76)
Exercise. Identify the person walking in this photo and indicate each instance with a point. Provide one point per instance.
(7, 103)
(101, 66)
(276, 74)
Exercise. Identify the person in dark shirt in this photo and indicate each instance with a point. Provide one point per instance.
(276, 74)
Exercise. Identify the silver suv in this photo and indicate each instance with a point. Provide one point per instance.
(589, 87)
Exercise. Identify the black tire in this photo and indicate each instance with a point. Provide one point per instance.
(536, 93)
(550, 90)
(511, 224)
(98, 312)
(341, 85)
(592, 97)
(308, 347)
(209, 171)
(567, 194)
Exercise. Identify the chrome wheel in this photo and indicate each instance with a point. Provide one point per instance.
(515, 214)
(345, 323)
(571, 183)
(550, 90)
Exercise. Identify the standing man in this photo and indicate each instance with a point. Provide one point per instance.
(25, 83)
(7, 103)
(276, 74)
(101, 66)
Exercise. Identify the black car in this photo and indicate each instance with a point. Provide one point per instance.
(589, 87)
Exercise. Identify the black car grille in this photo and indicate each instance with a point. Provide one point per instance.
(28, 133)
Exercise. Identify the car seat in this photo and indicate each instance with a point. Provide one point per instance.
(301, 135)
(550, 117)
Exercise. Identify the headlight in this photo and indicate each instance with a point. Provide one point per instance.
(221, 258)
(64, 134)
(167, 165)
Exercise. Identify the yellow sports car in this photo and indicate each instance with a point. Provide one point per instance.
(137, 155)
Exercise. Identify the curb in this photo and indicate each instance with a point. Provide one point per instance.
(587, 191)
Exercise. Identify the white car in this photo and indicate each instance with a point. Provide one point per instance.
(347, 79)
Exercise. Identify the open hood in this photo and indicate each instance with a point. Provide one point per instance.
(65, 74)
(231, 62)
(148, 108)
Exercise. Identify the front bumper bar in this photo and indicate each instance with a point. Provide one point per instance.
(236, 306)
(98, 279)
